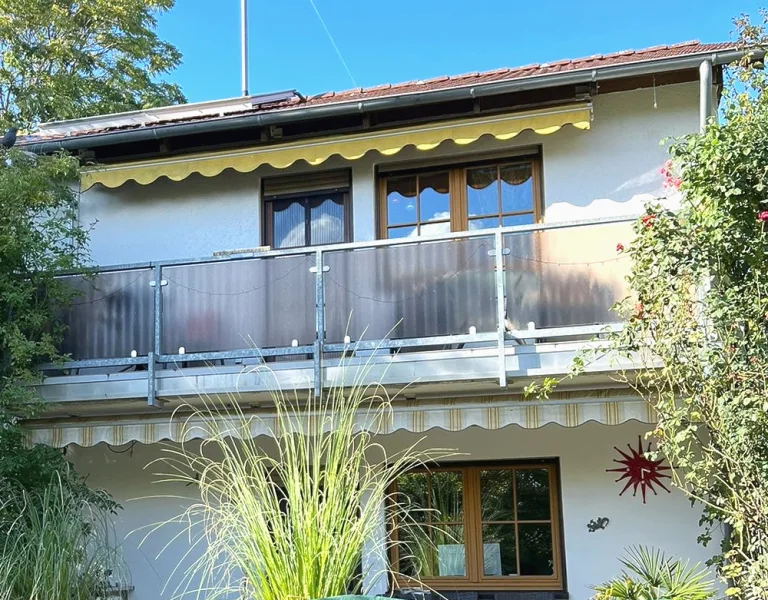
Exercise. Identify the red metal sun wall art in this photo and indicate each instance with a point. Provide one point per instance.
(640, 471)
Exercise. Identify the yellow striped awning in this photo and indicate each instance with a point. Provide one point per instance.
(417, 416)
(350, 147)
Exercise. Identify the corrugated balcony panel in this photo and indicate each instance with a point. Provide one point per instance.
(407, 291)
(260, 302)
(563, 277)
(111, 317)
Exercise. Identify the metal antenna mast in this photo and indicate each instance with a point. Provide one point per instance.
(244, 44)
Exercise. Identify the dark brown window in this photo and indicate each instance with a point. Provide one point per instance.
(459, 198)
(481, 527)
(307, 220)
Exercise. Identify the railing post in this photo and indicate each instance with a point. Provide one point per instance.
(501, 305)
(318, 270)
(157, 335)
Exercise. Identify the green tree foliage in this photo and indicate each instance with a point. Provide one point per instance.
(39, 237)
(62, 59)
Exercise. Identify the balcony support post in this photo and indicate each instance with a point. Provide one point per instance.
(157, 336)
(501, 305)
(319, 324)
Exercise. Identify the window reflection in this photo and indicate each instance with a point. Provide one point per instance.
(483, 191)
(308, 220)
(434, 202)
(289, 226)
(499, 550)
(500, 195)
(532, 494)
(516, 188)
(536, 549)
(433, 545)
(419, 201)
(516, 522)
(481, 197)
(401, 200)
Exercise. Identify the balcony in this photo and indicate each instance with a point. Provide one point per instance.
(468, 313)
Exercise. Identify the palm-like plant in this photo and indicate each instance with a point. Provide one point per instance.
(650, 575)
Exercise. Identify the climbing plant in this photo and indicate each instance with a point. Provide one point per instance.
(697, 322)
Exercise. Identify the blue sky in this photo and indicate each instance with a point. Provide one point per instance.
(399, 40)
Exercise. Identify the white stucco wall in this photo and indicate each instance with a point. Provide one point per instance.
(588, 492)
(611, 169)
(167, 219)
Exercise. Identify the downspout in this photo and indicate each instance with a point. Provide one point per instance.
(705, 94)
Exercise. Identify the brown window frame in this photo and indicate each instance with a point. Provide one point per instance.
(457, 187)
(475, 579)
(268, 214)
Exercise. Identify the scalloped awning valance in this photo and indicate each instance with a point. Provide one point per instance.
(414, 416)
(350, 147)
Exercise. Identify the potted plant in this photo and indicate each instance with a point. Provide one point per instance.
(649, 574)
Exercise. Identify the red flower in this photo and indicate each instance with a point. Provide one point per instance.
(762, 216)
(639, 309)
(647, 220)
(619, 247)
(670, 181)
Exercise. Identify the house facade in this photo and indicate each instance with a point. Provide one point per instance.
(452, 239)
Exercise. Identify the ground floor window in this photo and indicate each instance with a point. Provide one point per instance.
(492, 526)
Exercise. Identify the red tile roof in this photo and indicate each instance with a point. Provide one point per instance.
(655, 53)
(506, 74)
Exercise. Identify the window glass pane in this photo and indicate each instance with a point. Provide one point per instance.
(402, 232)
(451, 551)
(486, 223)
(513, 220)
(447, 497)
(412, 492)
(516, 188)
(435, 228)
(401, 200)
(536, 549)
(416, 552)
(496, 495)
(288, 224)
(482, 191)
(326, 220)
(499, 550)
(434, 202)
(532, 494)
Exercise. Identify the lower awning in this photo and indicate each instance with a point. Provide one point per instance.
(415, 416)
(350, 147)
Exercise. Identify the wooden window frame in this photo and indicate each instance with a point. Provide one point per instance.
(457, 191)
(475, 580)
(268, 214)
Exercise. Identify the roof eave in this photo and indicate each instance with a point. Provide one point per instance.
(303, 113)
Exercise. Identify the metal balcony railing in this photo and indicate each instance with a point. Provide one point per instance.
(542, 282)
